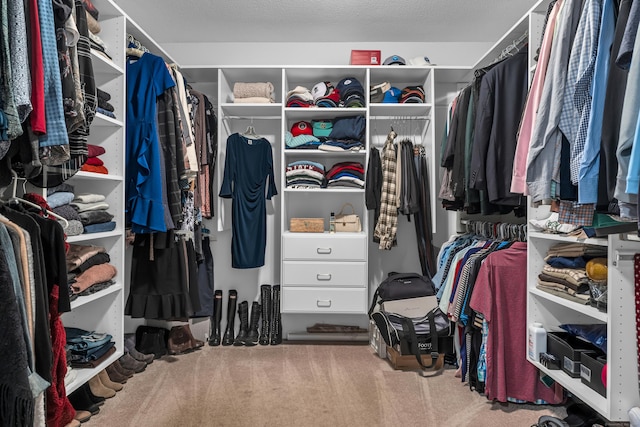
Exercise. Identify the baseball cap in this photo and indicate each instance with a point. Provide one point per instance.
(420, 60)
(376, 92)
(322, 89)
(322, 128)
(412, 94)
(301, 128)
(394, 60)
(392, 96)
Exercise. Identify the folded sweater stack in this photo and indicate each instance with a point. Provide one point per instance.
(253, 93)
(94, 163)
(93, 212)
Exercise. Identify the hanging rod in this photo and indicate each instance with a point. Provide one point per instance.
(251, 118)
(401, 118)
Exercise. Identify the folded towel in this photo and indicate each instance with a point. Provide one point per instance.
(89, 198)
(84, 207)
(60, 198)
(253, 100)
(95, 217)
(100, 228)
(67, 212)
(73, 228)
(248, 90)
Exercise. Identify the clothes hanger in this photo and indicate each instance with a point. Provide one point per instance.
(15, 199)
(250, 132)
(137, 53)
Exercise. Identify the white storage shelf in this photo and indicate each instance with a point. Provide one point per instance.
(552, 311)
(103, 311)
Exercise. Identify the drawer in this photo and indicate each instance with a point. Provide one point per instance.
(324, 300)
(338, 247)
(343, 274)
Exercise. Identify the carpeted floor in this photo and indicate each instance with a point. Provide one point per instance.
(300, 385)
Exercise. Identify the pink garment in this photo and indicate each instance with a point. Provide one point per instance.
(519, 175)
(500, 294)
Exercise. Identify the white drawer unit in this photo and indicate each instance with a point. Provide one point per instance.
(342, 274)
(324, 300)
(331, 247)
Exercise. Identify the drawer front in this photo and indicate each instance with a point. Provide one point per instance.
(333, 247)
(342, 274)
(324, 300)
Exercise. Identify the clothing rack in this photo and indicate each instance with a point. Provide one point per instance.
(496, 230)
(410, 119)
(514, 47)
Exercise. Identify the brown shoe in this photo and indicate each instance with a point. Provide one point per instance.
(128, 362)
(122, 370)
(82, 416)
(106, 381)
(73, 423)
(97, 388)
(114, 375)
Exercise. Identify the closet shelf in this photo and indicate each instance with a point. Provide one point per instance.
(98, 176)
(103, 66)
(251, 110)
(94, 236)
(399, 109)
(84, 375)
(294, 113)
(306, 152)
(575, 386)
(103, 120)
(586, 310)
(325, 234)
(567, 239)
(116, 287)
(324, 190)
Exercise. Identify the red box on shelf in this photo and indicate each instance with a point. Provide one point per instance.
(365, 57)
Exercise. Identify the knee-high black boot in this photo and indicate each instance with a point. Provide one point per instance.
(276, 325)
(265, 296)
(229, 333)
(216, 319)
(252, 336)
(243, 315)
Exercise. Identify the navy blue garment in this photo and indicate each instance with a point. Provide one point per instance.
(205, 281)
(248, 177)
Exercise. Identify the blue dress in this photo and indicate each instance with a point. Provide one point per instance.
(147, 78)
(248, 178)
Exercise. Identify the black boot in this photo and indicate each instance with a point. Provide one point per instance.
(265, 296)
(252, 335)
(243, 315)
(276, 325)
(230, 331)
(216, 319)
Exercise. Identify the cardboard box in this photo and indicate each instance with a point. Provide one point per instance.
(365, 57)
(376, 341)
(409, 362)
(306, 225)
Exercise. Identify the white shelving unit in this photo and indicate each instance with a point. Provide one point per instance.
(551, 311)
(103, 311)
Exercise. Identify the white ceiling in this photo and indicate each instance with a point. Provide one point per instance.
(435, 21)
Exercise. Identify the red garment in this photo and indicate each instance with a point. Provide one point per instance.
(94, 169)
(94, 161)
(95, 150)
(37, 116)
(500, 294)
(59, 409)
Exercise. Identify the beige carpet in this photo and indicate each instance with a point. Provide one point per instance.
(300, 385)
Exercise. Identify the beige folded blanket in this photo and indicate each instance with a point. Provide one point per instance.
(249, 90)
(253, 100)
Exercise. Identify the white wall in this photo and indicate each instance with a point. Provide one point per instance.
(281, 54)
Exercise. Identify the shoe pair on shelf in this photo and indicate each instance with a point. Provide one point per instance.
(130, 347)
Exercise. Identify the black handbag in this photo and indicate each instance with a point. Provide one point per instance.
(152, 340)
(401, 286)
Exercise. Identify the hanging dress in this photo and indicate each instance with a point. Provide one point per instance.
(248, 179)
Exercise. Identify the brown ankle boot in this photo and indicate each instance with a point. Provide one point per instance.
(106, 381)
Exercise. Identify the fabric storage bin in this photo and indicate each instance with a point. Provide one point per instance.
(591, 366)
(567, 349)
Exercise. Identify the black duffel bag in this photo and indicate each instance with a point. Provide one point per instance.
(401, 286)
